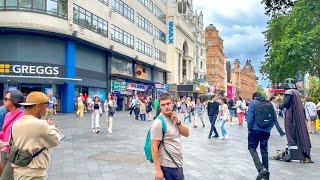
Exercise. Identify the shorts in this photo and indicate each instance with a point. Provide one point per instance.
(232, 112)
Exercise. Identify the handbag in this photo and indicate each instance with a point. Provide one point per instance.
(312, 118)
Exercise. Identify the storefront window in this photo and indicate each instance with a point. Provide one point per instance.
(158, 77)
(25, 4)
(39, 5)
(120, 66)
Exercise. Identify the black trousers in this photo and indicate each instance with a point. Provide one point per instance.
(213, 128)
(254, 139)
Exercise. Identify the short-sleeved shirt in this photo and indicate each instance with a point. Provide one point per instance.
(172, 143)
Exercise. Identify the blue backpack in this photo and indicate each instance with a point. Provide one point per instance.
(147, 145)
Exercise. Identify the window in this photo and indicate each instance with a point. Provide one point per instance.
(214, 71)
(144, 24)
(104, 2)
(210, 42)
(201, 65)
(121, 36)
(120, 66)
(159, 35)
(144, 48)
(147, 4)
(51, 7)
(159, 55)
(90, 21)
(159, 14)
(201, 52)
(123, 9)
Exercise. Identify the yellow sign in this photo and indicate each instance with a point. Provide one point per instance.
(4, 68)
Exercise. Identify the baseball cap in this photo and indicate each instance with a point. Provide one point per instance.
(16, 97)
(34, 98)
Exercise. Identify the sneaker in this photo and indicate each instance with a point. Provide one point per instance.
(263, 174)
(216, 136)
(129, 115)
(195, 126)
(209, 137)
(226, 137)
(203, 125)
(98, 130)
(93, 130)
(221, 138)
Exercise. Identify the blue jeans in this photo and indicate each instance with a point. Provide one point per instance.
(143, 117)
(172, 173)
(254, 139)
(223, 128)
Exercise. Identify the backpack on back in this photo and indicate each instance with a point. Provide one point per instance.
(147, 145)
(264, 114)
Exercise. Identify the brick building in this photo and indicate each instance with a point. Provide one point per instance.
(216, 60)
(244, 79)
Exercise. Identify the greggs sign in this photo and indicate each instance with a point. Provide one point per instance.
(29, 69)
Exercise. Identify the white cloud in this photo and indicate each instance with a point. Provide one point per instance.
(240, 23)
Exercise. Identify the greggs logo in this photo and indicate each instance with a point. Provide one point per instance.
(26, 69)
(4, 68)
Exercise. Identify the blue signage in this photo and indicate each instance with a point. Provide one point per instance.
(171, 30)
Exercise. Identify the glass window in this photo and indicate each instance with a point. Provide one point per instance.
(123, 9)
(39, 5)
(52, 6)
(120, 66)
(25, 4)
(104, 2)
(63, 8)
(11, 4)
(122, 36)
(1, 4)
(95, 23)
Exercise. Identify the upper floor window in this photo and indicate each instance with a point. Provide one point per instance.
(144, 47)
(104, 2)
(52, 7)
(121, 36)
(123, 9)
(92, 22)
(210, 42)
(159, 35)
(159, 14)
(147, 4)
(159, 55)
(144, 24)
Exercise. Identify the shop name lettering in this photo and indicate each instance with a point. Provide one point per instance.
(24, 69)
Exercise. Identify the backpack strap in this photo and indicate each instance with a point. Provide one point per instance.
(164, 130)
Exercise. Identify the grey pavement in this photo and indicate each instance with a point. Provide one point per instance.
(120, 156)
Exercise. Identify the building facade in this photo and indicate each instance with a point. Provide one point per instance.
(72, 46)
(216, 60)
(243, 79)
(186, 48)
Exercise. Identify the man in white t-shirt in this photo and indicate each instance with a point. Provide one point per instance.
(166, 148)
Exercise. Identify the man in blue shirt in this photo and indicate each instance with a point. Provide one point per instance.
(259, 135)
(3, 112)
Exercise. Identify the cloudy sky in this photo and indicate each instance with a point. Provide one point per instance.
(240, 23)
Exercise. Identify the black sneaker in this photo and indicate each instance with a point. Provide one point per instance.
(203, 125)
(216, 136)
(263, 174)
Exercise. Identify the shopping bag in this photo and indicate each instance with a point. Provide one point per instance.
(318, 125)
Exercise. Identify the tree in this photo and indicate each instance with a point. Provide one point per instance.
(274, 7)
(314, 88)
(292, 42)
(261, 90)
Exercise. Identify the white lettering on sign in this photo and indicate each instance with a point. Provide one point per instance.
(37, 70)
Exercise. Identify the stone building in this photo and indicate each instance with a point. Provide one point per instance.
(216, 60)
(244, 79)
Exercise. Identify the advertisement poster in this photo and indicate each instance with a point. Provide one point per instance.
(101, 93)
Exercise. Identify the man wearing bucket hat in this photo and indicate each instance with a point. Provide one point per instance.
(33, 137)
(11, 102)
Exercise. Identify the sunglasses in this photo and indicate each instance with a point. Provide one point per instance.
(6, 99)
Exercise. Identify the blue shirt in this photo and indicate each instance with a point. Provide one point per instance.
(252, 124)
(3, 112)
(52, 102)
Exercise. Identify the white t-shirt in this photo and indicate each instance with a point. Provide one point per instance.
(310, 109)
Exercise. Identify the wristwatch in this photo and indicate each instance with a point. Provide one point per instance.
(178, 123)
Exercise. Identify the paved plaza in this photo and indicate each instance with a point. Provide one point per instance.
(120, 156)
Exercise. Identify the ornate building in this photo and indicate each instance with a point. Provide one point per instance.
(216, 60)
(244, 79)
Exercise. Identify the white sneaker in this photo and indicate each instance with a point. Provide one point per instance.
(221, 138)
(226, 137)
(129, 115)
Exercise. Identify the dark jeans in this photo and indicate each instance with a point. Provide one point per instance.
(281, 132)
(172, 173)
(143, 117)
(254, 138)
(131, 109)
(213, 128)
(136, 113)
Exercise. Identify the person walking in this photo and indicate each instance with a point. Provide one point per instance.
(110, 106)
(80, 105)
(199, 110)
(11, 102)
(311, 114)
(224, 116)
(50, 109)
(3, 112)
(137, 108)
(241, 109)
(213, 110)
(166, 147)
(260, 118)
(277, 110)
(96, 111)
(143, 109)
(318, 108)
(149, 108)
(133, 100)
(38, 143)
(232, 109)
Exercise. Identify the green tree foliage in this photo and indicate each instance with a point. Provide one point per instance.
(314, 88)
(261, 90)
(292, 42)
(274, 7)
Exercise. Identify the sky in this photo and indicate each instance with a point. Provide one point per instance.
(240, 24)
